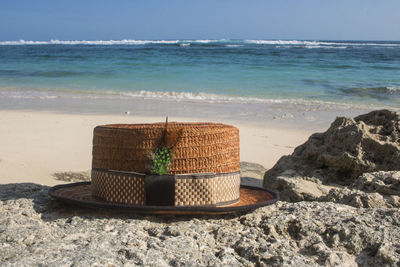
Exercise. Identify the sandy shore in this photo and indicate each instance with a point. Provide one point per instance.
(40, 137)
(37, 144)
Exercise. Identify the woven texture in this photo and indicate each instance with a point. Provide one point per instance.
(190, 190)
(215, 191)
(196, 147)
(81, 194)
(118, 187)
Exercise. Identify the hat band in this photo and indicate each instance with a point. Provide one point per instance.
(203, 189)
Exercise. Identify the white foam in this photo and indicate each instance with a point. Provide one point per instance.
(393, 88)
(206, 41)
(214, 98)
(179, 96)
(233, 45)
(23, 42)
(317, 43)
(105, 42)
(96, 42)
(282, 42)
(185, 97)
(325, 47)
(28, 94)
(200, 41)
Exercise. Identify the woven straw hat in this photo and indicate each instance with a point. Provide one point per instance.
(202, 178)
(81, 194)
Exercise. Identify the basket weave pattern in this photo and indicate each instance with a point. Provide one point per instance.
(197, 147)
(209, 191)
(119, 187)
(190, 190)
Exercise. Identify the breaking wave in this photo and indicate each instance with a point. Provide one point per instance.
(393, 88)
(227, 42)
(177, 96)
(105, 42)
(319, 43)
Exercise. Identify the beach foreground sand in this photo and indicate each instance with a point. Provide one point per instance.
(37, 144)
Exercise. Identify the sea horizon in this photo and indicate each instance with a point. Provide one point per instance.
(23, 41)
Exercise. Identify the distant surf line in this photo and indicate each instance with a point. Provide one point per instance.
(232, 42)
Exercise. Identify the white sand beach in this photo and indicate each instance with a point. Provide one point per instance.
(37, 144)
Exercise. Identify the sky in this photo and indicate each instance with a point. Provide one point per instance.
(201, 19)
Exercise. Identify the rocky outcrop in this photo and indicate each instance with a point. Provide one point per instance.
(384, 183)
(35, 230)
(335, 160)
(370, 190)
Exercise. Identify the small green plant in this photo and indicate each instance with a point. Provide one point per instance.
(161, 160)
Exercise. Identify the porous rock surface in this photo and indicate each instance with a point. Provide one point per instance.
(330, 165)
(38, 231)
(370, 190)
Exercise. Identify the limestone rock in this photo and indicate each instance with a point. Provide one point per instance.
(337, 157)
(385, 183)
(297, 188)
(350, 147)
(371, 190)
(36, 230)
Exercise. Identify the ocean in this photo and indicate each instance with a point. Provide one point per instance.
(342, 72)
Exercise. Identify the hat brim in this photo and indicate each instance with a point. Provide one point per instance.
(81, 194)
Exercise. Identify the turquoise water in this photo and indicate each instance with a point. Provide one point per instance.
(333, 71)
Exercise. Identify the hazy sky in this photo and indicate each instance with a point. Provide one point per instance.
(201, 19)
